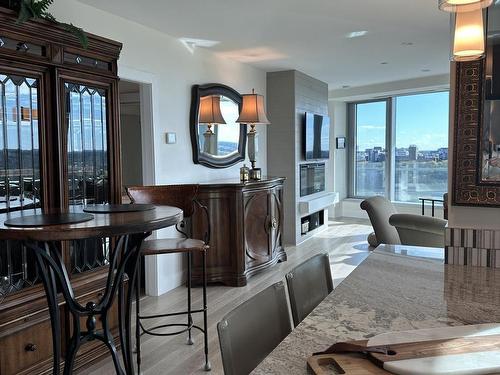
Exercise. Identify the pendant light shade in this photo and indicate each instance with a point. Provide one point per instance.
(210, 110)
(253, 111)
(468, 40)
(459, 6)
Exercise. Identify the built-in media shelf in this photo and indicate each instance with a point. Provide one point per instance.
(317, 202)
(312, 222)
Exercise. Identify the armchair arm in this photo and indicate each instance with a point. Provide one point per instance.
(418, 223)
(417, 230)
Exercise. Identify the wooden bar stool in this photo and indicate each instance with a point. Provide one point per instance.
(183, 197)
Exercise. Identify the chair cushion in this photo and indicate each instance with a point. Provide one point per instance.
(379, 210)
(172, 245)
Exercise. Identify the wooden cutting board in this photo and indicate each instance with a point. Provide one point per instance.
(350, 364)
(467, 350)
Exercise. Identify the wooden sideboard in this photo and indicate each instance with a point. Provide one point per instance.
(246, 229)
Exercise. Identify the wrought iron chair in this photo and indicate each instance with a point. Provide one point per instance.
(183, 197)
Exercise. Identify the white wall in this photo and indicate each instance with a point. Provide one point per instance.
(338, 114)
(175, 70)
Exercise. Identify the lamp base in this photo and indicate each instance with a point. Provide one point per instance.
(255, 174)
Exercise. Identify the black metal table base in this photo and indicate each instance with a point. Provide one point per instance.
(125, 255)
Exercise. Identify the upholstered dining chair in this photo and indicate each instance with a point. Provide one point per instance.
(253, 329)
(183, 197)
(308, 284)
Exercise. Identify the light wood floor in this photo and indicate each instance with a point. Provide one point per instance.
(344, 240)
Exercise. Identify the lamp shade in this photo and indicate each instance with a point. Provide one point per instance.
(253, 111)
(468, 40)
(459, 6)
(210, 110)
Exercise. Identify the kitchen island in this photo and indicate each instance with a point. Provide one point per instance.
(396, 288)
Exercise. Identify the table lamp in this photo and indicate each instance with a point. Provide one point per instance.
(253, 113)
(210, 115)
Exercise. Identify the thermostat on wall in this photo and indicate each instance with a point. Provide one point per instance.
(341, 143)
(171, 138)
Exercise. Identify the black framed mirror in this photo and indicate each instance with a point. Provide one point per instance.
(221, 141)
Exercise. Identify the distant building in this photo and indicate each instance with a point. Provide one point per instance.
(443, 153)
(401, 154)
(412, 152)
(375, 154)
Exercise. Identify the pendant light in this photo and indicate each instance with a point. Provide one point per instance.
(468, 37)
(457, 6)
(468, 27)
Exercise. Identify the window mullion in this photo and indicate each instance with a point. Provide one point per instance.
(352, 144)
(391, 151)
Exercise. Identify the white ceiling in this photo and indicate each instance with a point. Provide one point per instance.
(309, 35)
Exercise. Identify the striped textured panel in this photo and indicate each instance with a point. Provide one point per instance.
(473, 247)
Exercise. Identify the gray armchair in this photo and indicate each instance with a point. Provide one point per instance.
(393, 229)
(379, 211)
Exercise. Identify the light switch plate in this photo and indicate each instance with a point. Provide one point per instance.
(171, 138)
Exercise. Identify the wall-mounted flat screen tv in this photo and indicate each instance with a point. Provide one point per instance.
(316, 137)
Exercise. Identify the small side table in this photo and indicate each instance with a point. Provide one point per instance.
(433, 203)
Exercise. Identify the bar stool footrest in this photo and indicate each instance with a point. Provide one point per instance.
(151, 331)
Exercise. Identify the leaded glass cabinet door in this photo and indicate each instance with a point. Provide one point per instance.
(89, 128)
(88, 177)
(20, 173)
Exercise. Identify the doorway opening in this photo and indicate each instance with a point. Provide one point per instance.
(136, 134)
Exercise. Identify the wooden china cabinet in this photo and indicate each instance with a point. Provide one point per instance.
(59, 147)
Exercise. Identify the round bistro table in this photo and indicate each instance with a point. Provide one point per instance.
(128, 229)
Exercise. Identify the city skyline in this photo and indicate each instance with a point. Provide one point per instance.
(420, 119)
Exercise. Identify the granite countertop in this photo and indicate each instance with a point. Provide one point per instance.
(396, 288)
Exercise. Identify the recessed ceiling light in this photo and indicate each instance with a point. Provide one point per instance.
(192, 43)
(356, 34)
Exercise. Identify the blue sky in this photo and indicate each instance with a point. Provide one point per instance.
(420, 119)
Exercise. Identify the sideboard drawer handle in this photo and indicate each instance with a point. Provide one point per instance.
(30, 348)
(274, 223)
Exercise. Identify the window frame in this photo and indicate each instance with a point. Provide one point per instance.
(390, 140)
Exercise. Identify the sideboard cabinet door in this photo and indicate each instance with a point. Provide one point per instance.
(257, 224)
